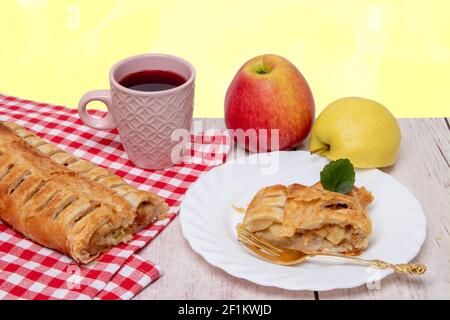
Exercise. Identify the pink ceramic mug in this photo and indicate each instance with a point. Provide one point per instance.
(145, 120)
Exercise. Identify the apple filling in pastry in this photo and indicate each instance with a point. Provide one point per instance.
(311, 219)
(66, 203)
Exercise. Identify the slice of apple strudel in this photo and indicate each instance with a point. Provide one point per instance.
(311, 219)
(66, 203)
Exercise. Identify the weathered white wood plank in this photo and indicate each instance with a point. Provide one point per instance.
(422, 167)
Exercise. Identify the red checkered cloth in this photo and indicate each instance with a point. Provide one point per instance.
(30, 271)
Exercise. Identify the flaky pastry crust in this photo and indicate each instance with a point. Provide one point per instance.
(65, 203)
(311, 219)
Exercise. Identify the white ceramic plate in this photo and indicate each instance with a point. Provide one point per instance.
(208, 222)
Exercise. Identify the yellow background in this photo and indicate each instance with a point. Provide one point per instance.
(396, 51)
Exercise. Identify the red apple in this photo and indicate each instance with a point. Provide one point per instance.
(269, 92)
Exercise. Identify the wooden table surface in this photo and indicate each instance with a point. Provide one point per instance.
(423, 166)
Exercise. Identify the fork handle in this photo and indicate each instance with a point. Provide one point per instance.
(411, 268)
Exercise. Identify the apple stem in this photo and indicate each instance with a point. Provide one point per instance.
(321, 149)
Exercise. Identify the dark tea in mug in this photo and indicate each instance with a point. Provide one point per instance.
(152, 80)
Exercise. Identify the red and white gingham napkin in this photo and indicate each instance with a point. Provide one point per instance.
(30, 271)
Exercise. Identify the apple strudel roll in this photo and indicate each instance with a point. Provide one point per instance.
(311, 219)
(65, 203)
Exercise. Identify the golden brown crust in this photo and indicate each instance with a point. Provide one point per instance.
(66, 203)
(311, 218)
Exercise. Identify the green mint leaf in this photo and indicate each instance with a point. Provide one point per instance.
(338, 176)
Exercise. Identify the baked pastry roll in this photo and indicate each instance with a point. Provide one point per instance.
(311, 219)
(66, 203)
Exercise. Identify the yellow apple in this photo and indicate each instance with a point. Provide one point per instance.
(358, 129)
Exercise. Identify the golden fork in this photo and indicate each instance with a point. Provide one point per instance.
(289, 257)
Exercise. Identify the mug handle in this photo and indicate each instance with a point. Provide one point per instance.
(105, 123)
